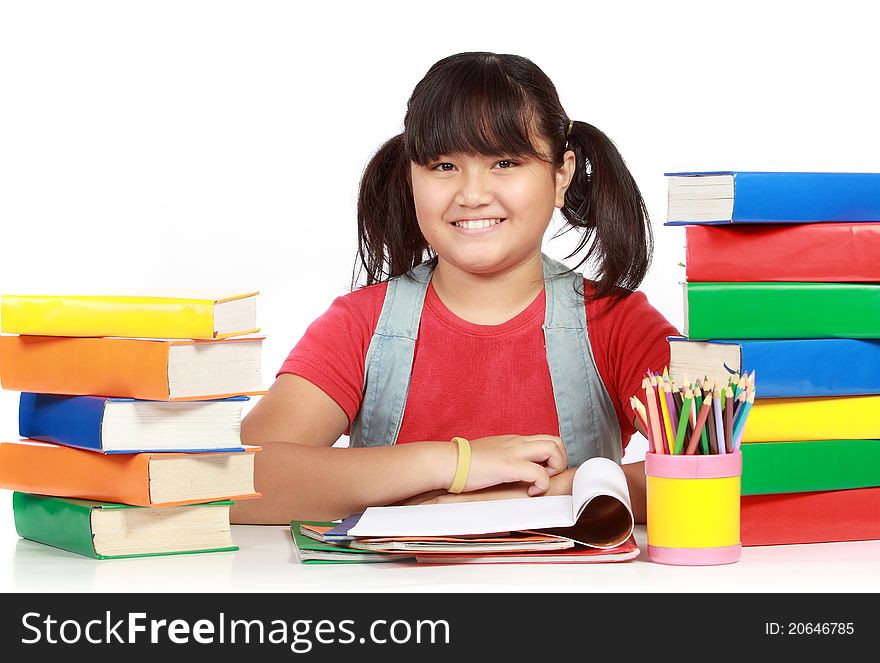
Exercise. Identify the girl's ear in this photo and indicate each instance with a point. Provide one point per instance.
(563, 177)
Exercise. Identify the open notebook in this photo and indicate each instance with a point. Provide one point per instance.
(598, 513)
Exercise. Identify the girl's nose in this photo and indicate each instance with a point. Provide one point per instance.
(475, 189)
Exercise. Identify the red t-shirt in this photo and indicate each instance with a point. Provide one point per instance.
(480, 380)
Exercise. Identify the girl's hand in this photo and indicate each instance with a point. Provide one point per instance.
(559, 485)
(503, 492)
(531, 459)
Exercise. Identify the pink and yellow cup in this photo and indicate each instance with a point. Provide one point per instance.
(693, 508)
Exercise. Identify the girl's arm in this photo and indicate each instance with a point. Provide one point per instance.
(559, 485)
(301, 476)
(635, 480)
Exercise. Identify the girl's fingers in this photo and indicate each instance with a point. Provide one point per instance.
(535, 475)
(550, 451)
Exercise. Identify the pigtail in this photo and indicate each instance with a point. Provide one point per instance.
(604, 202)
(389, 240)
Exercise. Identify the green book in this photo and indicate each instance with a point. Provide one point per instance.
(782, 310)
(801, 467)
(104, 530)
(312, 551)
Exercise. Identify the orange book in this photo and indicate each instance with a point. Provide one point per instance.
(144, 479)
(147, 369)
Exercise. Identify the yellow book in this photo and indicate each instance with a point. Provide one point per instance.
(797, 419)
(129, 316)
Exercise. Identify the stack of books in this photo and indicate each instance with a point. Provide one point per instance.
(783, 280)
(593, 524)
(130, 412)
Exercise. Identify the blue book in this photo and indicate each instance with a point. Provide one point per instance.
(789, 368)
(767, 197)
(127, 426)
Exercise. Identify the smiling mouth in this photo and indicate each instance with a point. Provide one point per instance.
(478, 224)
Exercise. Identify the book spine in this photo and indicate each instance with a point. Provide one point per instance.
(67, 472)
(825, 252)
(839, 515)
(73, 421)
(57, 522)
(799, 197)
(801, 467)
(782, 310)
(796, 419)
(148, 317)
(114, 367)
(814, 367)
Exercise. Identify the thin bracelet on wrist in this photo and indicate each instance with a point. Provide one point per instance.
(463, 468)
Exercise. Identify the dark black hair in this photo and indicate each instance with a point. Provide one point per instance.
(489, 104)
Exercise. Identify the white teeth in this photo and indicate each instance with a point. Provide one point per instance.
(475, 224)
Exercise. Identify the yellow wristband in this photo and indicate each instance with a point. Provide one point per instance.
(464, 465)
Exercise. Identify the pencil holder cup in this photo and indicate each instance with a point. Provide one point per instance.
(693, 508)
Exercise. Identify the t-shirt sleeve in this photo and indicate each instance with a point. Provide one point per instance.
(332, 351)
(627, 341)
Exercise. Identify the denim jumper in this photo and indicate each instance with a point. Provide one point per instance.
(588, 422)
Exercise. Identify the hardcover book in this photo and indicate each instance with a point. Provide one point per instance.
(772, 197)
(145, 479)
(802, 467)
(796, 419)
(125, 425)
(151, 317)
(102, 530)
(787, 368)
(782, 310)
(131, 368)
(824, 252)
(819, 517)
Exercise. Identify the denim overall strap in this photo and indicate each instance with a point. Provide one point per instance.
(388, 365)
(587, 420)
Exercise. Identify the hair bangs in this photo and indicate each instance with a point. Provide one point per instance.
(472, 108)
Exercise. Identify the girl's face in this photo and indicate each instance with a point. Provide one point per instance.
(488, 214)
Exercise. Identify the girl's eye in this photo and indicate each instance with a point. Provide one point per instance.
(505, 164)
(442, 167)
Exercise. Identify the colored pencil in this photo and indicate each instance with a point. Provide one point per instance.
(673, 412)
(641, 419)
(741, 424)
(719, 420)
(728, 422)
(661, 399)
(686, 405)
(667, 426)
(698, 404)
(701, 425)
(704, 436)
(739, 401)
(640, 428)
(654, 416)
(677, 398)
(740, 384)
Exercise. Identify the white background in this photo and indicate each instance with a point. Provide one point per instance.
(190, 146)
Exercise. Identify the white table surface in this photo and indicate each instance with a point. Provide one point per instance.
(267, 562)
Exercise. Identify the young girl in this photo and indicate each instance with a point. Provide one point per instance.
(464, 329)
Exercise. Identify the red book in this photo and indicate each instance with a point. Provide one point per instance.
(834, 515)
(819, 252)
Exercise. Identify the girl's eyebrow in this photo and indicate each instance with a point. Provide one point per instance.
(487, 157)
